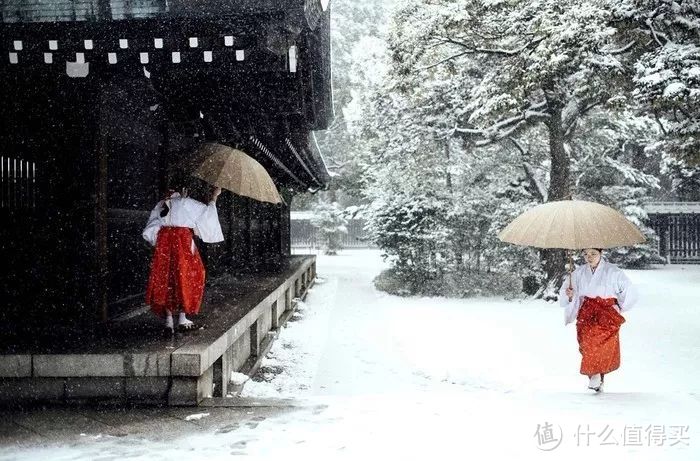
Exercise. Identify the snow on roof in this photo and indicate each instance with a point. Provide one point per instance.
(301, 214)
(672, 207)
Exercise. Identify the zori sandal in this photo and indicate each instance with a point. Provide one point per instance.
(189, 326)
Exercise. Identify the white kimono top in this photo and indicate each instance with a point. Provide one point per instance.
(608, 281)
(185, 212)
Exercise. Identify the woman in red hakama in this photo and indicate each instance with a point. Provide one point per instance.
(176, 282)
(177, 274)
(601, 291)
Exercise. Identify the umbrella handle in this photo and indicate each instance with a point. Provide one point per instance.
(571, 270)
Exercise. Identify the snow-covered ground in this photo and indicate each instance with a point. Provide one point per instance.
(432, 375)
(419, 378)
(355, 340)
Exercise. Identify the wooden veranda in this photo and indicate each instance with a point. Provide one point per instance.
(100, 103)
(101, 106)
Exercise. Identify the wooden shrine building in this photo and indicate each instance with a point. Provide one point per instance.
(102, 103)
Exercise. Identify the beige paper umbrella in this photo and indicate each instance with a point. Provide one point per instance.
(234, 170)
(571, 225)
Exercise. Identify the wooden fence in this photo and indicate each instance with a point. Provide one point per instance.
(304, 235)
(678, 226)
(676, 223)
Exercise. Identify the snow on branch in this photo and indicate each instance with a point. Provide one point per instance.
(621, 50)
(658, 122)
(471, 49)
(656, 34)
(442, 61)
(577, 109)
(506, 127)
(530, 172)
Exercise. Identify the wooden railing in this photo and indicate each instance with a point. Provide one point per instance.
(672, 207)
(79, 10)
(18, 186)
(679, 236)
(304, 235)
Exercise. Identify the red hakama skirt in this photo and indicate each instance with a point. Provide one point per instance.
(597, 329)
(177, 275)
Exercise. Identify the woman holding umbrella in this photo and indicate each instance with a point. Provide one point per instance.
(594, 296)
(596, 293)
(176, 282)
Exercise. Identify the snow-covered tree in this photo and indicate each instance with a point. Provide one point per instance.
(357, 30)
(667, 74)
(534, 64)
(331, 223)
(685, 177)
(490, 107)
(613, 166)
(667, 83)
(611, 172)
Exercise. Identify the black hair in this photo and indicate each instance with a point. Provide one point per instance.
(166, 209)
(180, 180)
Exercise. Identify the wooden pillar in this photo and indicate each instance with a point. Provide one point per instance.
(101, 229)
(248, 232)
(667, 220)
(238, 241)
(696, 237)
(91, 126)
(285, 231)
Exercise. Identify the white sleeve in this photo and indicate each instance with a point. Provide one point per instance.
(627, 294)
(570, 307)
(207, 225)
(563, 299)
(155, 222)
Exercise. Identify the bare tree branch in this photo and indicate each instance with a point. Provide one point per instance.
(495, 36)
(586, 109)
(569, 122)
(622, 50)
(685, 112)
(541, 192)
(484, 50)
(445, 60)
(506, 127)
(518, 145)
(654, 33)
(530, 172)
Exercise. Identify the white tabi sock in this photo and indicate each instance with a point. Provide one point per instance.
(183, 320)
(169, 321)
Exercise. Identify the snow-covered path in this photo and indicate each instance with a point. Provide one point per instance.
(493, 370)
(368, 342)
(363, 353)
(383, 377)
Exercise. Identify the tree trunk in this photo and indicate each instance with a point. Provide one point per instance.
(553, 261)
(448, 175)
(560, 170)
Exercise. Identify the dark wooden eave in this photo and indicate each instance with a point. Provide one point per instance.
(225, 68)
